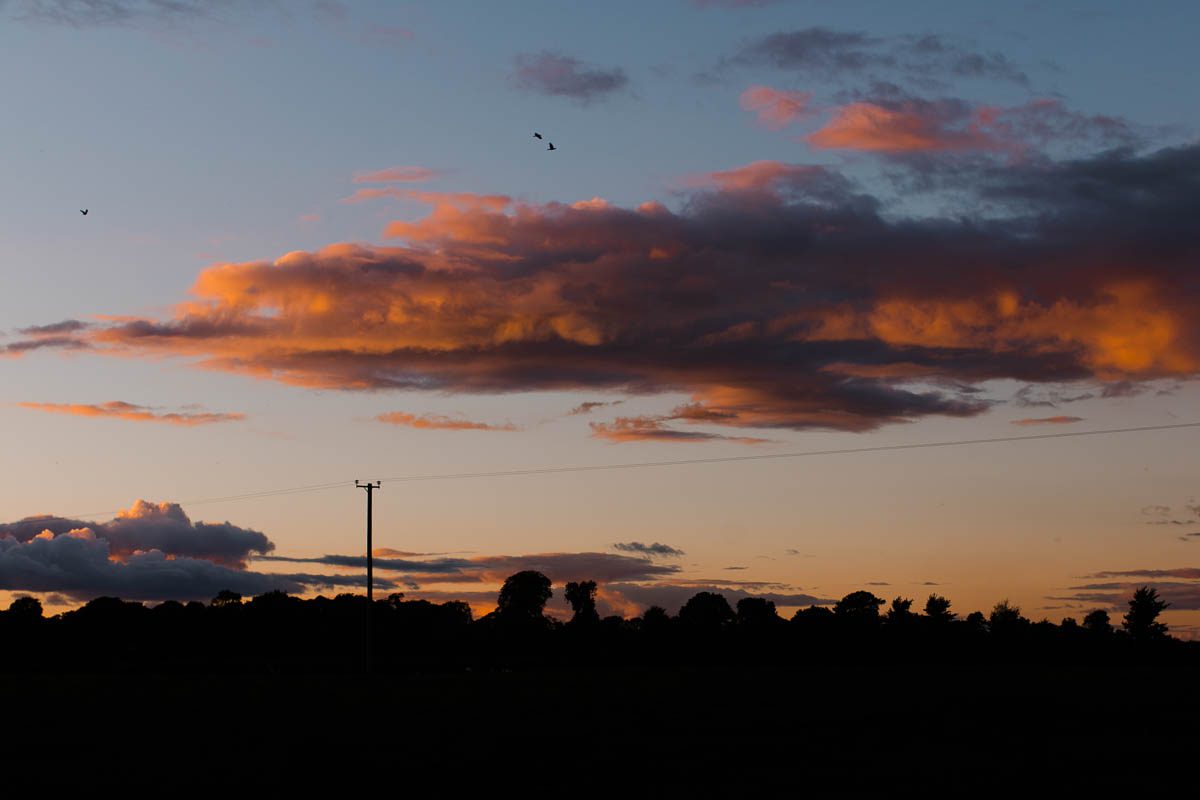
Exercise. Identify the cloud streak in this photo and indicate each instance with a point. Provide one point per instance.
(406, 174)
(653, 429)
(589, 406)
(117, 409)
(439, 422)
(559, 567)
(655, 549)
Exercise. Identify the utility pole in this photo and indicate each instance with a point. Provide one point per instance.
(370, 486)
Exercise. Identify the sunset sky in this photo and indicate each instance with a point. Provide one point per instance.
(322, 244)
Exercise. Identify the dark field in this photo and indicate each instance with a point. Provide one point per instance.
(653, 731)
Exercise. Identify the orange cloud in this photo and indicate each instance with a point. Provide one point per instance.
(1060, 420)
(1121, 329)
(777, 296)
(439, 422)
(867, 126)
(407, 174)
(775, 108)
(761, 176)
(948, 125)
(127, 411)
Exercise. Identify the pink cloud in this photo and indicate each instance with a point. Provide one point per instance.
(775, 108)
(403, 174)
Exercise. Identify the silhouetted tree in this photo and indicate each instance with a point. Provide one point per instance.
(976, 621)
(655, 619)
(1069, 624)
(859, 608)
(456, 612)
(523, 596)
(272, 602)
(813, 624)
(1005, 617)
(226, 598)
(937, 608)
(706, 610)
(1097, 622)
(756, 612)
(1141, 619)
(582, 597)
(25, 608)
(900, 612)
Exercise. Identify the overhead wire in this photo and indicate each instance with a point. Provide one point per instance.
(514, 473)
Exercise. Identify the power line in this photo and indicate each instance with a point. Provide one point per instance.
(770, 456)
(515, 473)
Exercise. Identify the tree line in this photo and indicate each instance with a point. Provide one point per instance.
(278, 632)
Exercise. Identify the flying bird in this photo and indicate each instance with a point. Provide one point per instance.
(552, 147)
(83, 211)
(537, 135)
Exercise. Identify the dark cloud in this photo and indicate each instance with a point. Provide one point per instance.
(145, 526)
(1048, 396)
(1178, 586)
(23, 346)
(53, 329)
(818, 52)
(559, 567)
(1192, 573)
(652, 550)
(152, 551)
(1115, 596)
(559, 75)
(78, 564)
(590, 406)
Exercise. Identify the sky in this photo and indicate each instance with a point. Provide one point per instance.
(323, 244)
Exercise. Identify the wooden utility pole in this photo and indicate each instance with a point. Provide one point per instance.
(370, 486)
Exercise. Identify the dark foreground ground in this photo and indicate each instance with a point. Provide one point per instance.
(725, 731)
